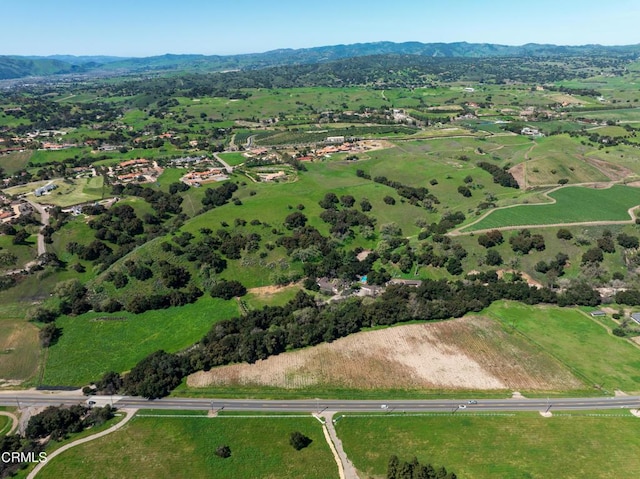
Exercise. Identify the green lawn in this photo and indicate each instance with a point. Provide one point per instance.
(523, 445)
(5, 424)
(151, 447)
(573, 205)
(89, 347)
(577, 341)
(233, 159)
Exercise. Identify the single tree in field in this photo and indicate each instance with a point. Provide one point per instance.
(299, 441)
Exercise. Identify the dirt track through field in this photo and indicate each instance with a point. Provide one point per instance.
(467, 353)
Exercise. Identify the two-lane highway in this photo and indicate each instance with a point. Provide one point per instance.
(35, 398)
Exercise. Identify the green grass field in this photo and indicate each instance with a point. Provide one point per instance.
(54, 445)
(5, 424)
(233, 159)
(90, 347)
(560, 157)
(23, 252)
(49, 156)
(152, 447)
(619, 114)
(14, 162)
(573, 338)
(68, 192)
(573, 205)
(523, 445)
(19, 349)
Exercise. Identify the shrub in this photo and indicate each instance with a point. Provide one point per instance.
(606, 244)
(593, 255)
(617, 275)
(223, 451)
(464, 191)
(564, 234)
(628, 241)
(299, 441)
(295, 220)
(49, 335)
(619, 332)
(493, 258)
(228, 289)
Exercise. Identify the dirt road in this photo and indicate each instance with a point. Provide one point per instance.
(44, 220)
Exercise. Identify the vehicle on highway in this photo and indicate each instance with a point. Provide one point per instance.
(472, 401)
(462, 406)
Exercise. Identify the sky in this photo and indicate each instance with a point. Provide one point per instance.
(138, 28)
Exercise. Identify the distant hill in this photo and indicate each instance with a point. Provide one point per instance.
(18, 67)
(78, 60)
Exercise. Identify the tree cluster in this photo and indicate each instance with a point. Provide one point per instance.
(214, 197)
(500, 175)
(57, 422)
(524, 241)
(397, 469)
(491, 238)
(141, 303)
(163, 203)
(415, 196)
(16, 443)
(556, 266)
(228, 289)
(118, 225)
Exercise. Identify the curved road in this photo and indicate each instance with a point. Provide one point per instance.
(14, 422)
(128, 416)
(31, 398)
(226, 165)
(44, 219)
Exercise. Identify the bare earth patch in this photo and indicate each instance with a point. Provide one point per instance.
(526, 276)
(610, 170)
(517, 172)
(266, 291)
(467, 353)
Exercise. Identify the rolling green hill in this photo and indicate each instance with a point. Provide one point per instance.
(18, 67)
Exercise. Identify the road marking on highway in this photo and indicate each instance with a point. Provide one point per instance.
(624, 416)
(174, 415)
(448, 413)
(222, 416)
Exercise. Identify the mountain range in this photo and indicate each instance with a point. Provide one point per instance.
(12, 67)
